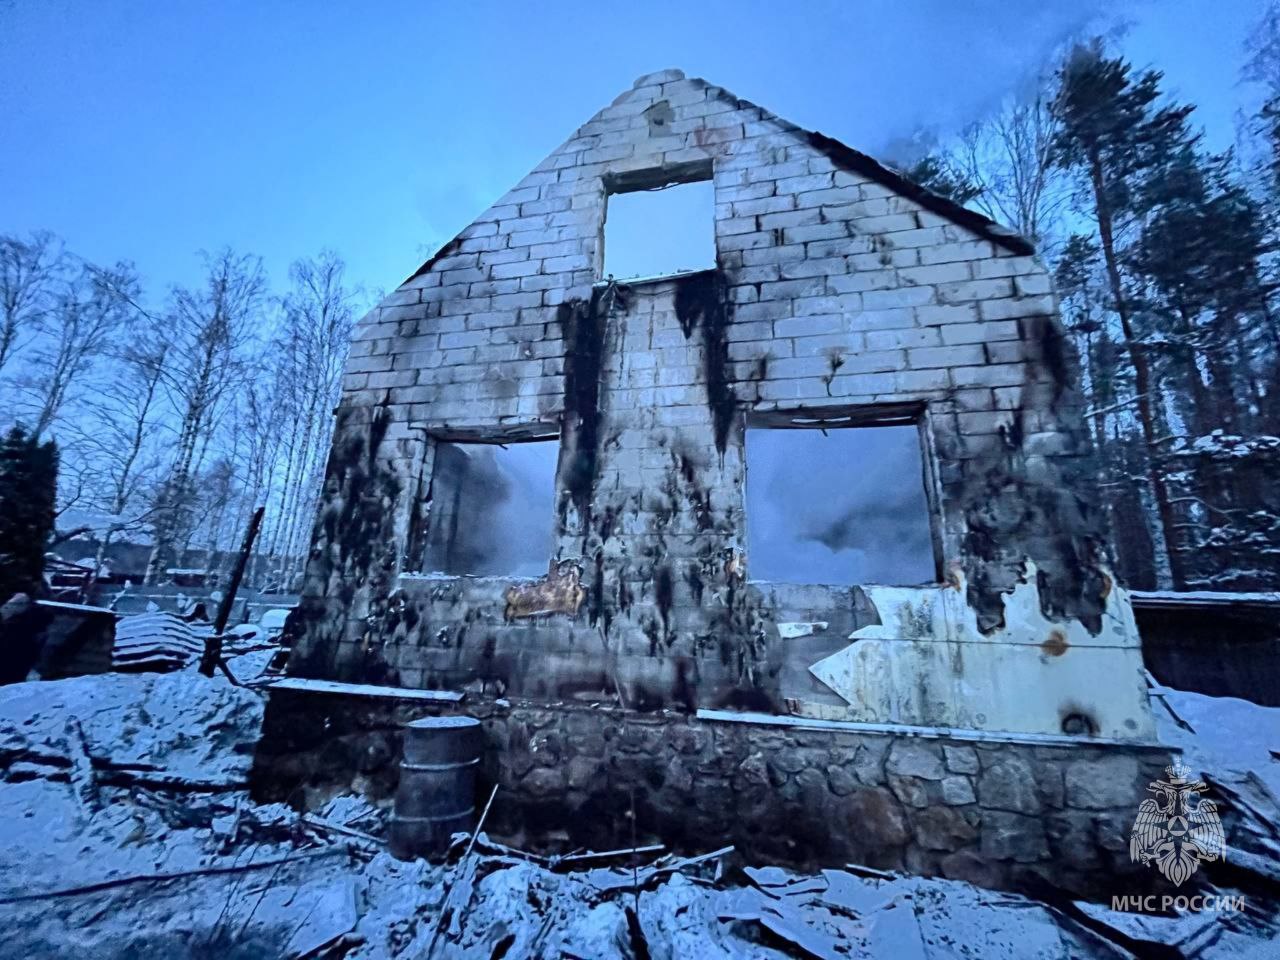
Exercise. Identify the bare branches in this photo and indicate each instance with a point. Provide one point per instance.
(118, 436)
(317, 316)
(1262, 47)
(29, 272)
(1009, 158)
(175, 421)
(249, 431)
(81, 326)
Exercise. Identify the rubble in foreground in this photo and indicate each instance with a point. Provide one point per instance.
(128, 832)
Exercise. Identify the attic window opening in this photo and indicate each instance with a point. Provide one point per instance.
(492, 507)
(661, 229)
(839, 500)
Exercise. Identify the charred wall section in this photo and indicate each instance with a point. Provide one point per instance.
(339, 626)
(646, 600)
(837, 288)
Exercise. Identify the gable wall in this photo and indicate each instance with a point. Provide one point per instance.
(831, 290)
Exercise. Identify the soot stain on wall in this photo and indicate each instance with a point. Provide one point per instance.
(701, 303)
(1031, 502)
(1009, 513)
(353, 553)
(584, 325)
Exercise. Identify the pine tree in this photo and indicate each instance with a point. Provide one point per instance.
(1076, 277)
(938, 175)
(28, 484)
(1113, 133)
(1197, 257)
(1199, 253)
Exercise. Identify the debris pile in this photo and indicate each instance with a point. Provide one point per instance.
(126, 831)
(1220, 735)
(51, 640)
(158, 642)
(153, 729)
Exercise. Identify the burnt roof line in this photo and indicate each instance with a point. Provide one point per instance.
(858, 162)
(444, 251)
(855, 161)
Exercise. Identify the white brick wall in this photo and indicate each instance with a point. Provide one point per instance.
(822, 264)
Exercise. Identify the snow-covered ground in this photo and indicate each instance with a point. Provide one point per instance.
(125, 831)
(1221, 735)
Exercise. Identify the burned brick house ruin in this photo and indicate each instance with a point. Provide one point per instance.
(790, 510)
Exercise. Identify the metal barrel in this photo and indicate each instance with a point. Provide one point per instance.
(436, 797)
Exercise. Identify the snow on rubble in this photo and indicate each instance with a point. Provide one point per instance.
(1221, 735)
(126, 831)
(182, 724)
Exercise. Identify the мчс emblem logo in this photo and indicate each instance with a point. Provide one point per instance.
(1177, 828)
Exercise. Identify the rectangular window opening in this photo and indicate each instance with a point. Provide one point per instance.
(492, 508)
(660, 232)
(839, 501)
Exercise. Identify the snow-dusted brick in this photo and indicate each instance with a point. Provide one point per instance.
(903, 338)
(808, 325)
(901, 297)
(951, 356)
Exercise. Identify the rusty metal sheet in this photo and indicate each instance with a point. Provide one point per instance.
(560, 591)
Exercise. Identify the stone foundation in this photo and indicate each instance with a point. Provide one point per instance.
(1002, 813)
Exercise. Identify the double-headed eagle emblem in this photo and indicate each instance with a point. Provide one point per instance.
(1177, 828)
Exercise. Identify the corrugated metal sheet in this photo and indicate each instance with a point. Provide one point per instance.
(157, 642)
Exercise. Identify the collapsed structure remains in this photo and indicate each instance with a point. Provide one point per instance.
(798, 550)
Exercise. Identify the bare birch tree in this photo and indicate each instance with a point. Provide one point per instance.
(80, 326)
(1008, 157)
(317, 316)
(256, 444)
(117, 438)
(209, 328)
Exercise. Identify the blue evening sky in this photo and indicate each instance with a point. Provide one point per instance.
(151, 130)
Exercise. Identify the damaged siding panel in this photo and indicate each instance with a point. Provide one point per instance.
(927, 658)
(1094, 692)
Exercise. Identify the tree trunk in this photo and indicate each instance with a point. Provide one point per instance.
(1143, 381)
(99, 557)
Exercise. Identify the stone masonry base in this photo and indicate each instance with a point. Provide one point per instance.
(1005, 814)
